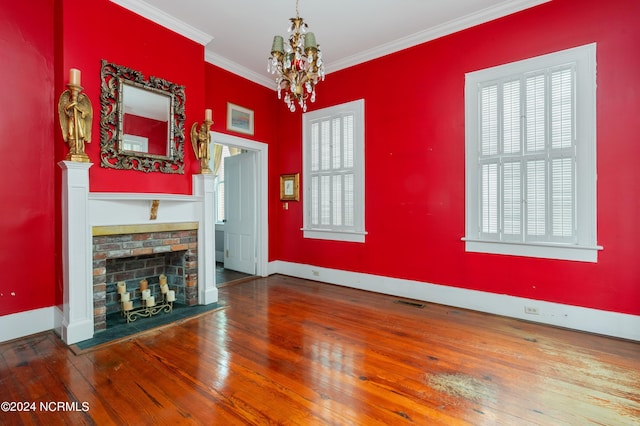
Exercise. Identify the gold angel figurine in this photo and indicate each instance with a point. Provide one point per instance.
(76, 114)
(200, 140)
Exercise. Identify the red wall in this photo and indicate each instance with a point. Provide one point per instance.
(414, 107)
(26, 156)
(39, 41)
(222, 87)
(85, 34)
(414, 146)
(99, 29)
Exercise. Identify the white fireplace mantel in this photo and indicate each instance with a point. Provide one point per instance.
(83, 210)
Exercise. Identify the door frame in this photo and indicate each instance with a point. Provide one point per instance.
(262, 200)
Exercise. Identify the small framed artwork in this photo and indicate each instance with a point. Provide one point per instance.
(239, 119)
(290, 187)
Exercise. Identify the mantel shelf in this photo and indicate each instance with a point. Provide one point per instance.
(129, 196)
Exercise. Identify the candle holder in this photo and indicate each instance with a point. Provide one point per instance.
(147, 309)
(76, 114)
(200, 141)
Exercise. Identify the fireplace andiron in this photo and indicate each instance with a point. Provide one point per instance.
(149, 305)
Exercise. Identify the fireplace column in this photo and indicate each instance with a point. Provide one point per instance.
(203, 186)
(77, 315)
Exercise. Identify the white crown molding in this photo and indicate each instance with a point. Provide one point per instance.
(459, 24)
(238, 69)
(159, 17)
(503, 9)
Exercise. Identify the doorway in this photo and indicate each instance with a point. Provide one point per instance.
(258, 174)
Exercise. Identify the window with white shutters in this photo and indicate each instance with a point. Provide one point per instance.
(530, 157)
(333, 175)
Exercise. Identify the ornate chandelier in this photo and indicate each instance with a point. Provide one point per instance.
(297, 63)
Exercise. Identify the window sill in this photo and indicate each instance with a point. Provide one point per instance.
(318, 234)
(540, 250)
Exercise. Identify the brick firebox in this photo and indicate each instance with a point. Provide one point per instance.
(146, 251)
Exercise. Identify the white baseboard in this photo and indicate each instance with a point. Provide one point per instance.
(574, 317)
(22, 324)
(612, 324)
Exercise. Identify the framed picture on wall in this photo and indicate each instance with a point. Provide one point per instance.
(239, 119)
(290, 187)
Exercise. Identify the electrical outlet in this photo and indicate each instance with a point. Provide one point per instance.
(531, 310)
(315, 273)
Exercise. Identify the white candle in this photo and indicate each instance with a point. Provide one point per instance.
(146, 294)
(125, 297)
(122, 287)
(151, 301)
(208, 115)
(127, 306)
(164, 288)
(171, 296)
(74, 76)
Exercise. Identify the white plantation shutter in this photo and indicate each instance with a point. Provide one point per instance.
(324, 195)
(509, 196)
(489, 201)
(334, 172)
(562, 155)
(562, 195)
(511, 117)
(562, 108)
(536, 199)
(527, 124)
(536, 118)
(512, 199)
(349, 200)
(489, 121)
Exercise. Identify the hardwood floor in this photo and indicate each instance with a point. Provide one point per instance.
(226, 277)
(291, 351)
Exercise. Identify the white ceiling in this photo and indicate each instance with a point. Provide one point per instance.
(237, 35)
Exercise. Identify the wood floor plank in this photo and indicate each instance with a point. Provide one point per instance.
(291, 351)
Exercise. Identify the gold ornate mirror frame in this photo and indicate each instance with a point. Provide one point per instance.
(112, 155)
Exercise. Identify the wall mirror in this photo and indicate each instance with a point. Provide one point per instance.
(142, 121)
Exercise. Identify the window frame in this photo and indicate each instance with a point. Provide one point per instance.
(584, 248)
(355, 233)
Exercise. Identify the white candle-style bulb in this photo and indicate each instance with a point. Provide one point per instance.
(208, 115)
(74, 76)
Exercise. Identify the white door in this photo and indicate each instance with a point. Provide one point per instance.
(240, 213)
